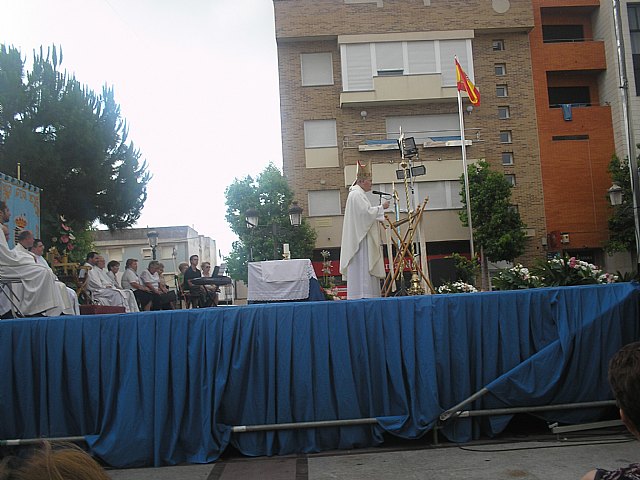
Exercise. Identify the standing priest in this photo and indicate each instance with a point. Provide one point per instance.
(361, 262)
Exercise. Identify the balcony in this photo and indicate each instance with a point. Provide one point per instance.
(375, 142)
(400, 90)
(574, 56)
(590, 4)
(585, 120)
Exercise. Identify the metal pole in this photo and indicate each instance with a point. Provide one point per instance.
(541, 408)
(467, 196)
(628, 130)
(456, 408)
(297, 425)
(35, 441)
(153, 252)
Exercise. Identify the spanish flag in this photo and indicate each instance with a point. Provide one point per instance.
(465, 85)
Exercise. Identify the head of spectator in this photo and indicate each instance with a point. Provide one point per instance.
(624, 377)
(100, 262)
(25, 238)
(161, 268)
(92, 258)
(193, 260)
(5, 213)
(66, 462)
(113, 266)
(183, 267)
(206, 269)
(153, 266)
(132, 263)
(38, 247)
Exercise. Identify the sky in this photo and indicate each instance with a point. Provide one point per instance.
(197, 82)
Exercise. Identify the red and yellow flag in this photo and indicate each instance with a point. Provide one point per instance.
(466, 85)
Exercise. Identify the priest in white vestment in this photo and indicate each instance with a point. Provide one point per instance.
(36, 290)
(105, 293)
(361, 262)
(71, 305)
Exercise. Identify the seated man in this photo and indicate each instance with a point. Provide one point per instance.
(162, 300)
(36, 248)
(131, 280)
(624, 377)
(104, 291)
(37, 292)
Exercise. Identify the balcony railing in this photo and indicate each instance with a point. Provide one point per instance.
(377, 141)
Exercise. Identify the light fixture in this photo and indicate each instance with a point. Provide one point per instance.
(295, 214)
(408, 147)
(413, 172)
(152, 237)
(251, 218)
(469, 109)
(363, 114)
(564, 238)
(615, 194)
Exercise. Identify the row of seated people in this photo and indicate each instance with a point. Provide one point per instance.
(144, 291)
(197, 295)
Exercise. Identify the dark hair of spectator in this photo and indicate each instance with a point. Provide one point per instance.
(111, 264)
(624, 377)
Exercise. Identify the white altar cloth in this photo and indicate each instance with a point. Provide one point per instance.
(277, 280)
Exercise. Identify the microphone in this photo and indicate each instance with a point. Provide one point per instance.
(376, 192)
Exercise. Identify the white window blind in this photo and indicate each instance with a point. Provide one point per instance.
(320, 133)
(442, 195)
(389, 57)
(421, 57)
(424, 127)
(317, 69)
(448, 50)
(359, 75)
(324, 203)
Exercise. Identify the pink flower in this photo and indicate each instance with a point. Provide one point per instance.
(70, 246)
(64, 238)
(65, 228)
(572, 262)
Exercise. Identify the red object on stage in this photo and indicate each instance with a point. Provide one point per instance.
(99, 309)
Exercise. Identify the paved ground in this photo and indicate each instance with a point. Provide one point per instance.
(544, 457)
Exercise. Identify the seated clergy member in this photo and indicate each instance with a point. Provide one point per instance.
(37, 291)
(105, 292)
(131, 280)
(624, 377)
(71, 306)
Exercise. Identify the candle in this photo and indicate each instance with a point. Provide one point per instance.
(285, 248)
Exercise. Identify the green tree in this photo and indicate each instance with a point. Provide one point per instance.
(498, 230)
(621, 224)
(270, 195)
(70, 142)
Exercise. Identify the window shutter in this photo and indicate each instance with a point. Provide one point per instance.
(320, 133)
(317, 69)
(422, 57)
(358, 60)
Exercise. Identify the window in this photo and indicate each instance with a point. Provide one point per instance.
(146, 253)
(511, 178)
(501, 91)
(503, 113)
(114, 254)
(166, 252)
(562, 33)
(634, 29)
(500, 69)
(507, 158)
(505, 136)
(389, 58)
(497, 45)
(425, 128)
(320, 134)
(356, 59)
(317, 69)
(362, 61)
(576, 96)
(443, 195)
(324, 203)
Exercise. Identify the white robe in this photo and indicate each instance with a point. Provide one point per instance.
(71, 305)
(361, 261)
(105, 293)
(37, 291)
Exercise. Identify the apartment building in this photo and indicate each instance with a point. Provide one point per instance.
(353, 72)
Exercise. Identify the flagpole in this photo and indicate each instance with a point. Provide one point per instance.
(466, 175)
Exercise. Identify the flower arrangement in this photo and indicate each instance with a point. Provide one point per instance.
(329, 289)
(515, 278)
(456, 287)
(64, 241)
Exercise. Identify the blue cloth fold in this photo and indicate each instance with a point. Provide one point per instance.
(161, 388)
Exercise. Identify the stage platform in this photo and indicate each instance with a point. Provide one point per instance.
(161, 388)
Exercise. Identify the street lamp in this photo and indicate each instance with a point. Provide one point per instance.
(152, 236)
(615, 194)
(253, 221)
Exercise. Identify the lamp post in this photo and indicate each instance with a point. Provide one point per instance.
(152, 236)
(253, 222)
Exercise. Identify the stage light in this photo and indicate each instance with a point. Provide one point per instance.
(407, 147)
